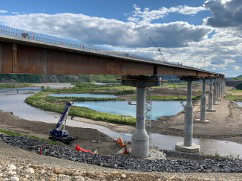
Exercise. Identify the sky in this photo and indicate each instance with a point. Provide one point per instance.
(199, 33)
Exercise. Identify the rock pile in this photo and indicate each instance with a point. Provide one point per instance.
(27, 172)
(125, 162)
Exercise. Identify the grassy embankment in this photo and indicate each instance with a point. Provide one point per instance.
(14, 85)
(56, 104)
(236, 94)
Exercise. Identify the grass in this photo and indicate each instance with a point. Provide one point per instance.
(14, 85)
(41, 101)
(12, 133)
(91, 88)
(56, 104)
(234, 97)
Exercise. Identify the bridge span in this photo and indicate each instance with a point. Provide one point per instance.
(21, 53)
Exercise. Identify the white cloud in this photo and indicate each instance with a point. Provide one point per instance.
(236, 68)
(147, 15)
(95, 30)
(3, 11)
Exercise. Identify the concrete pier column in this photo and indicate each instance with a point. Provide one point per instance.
(187, 145)
(203, 105)
(215, 92)
(210, 97)
(218, 90)
(222, 85)
(140, 138)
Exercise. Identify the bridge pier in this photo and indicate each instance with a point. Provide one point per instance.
(218, 89)
(215, 92)
(187, 145)
(140, 138)
(203, 105)
(210, 97)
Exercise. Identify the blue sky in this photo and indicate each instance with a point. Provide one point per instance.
(189, 31)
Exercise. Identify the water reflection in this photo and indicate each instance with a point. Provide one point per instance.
(159, 108)
(84, 95)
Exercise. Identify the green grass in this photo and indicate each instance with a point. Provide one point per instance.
(56, 104)
(234, 97)
(14, 85)
(49, 104)
(91, 88)
(78, 99)
(177, 85)
(234, 90)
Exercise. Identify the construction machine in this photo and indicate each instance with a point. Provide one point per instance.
(59, 133)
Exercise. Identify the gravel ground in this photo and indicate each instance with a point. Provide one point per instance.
(20, 164)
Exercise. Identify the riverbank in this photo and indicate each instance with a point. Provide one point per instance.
(48, 167)
(29, 165)
(225, 122)
(123, 93)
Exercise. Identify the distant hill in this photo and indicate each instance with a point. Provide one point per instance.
(36, 78)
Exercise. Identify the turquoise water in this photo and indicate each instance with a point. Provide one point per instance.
(159, 108)
(84, 95)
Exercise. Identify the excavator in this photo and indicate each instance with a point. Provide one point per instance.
(59, 133)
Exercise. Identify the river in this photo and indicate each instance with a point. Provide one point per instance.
(12, 102)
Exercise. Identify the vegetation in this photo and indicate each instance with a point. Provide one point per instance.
(13, 85)
(180, 85)
(234, 95)
(36, 78)
(92, 88)
(56, 104)
(239, 86)
(40, 100)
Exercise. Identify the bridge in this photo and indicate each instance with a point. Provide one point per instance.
(31, 53)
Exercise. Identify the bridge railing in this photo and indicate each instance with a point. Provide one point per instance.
(23, 34)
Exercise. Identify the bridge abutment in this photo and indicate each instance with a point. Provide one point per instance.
(140, 138)
(187, 145)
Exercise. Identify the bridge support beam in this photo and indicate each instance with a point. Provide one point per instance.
(140, 138)
(215, 92)
(210, 97)
(187, 145)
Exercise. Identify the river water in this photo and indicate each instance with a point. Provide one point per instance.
(159, 108)
(12, 102)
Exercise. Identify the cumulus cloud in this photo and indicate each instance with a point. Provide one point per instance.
(147, 15)
(225, 13)
(95, 30)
